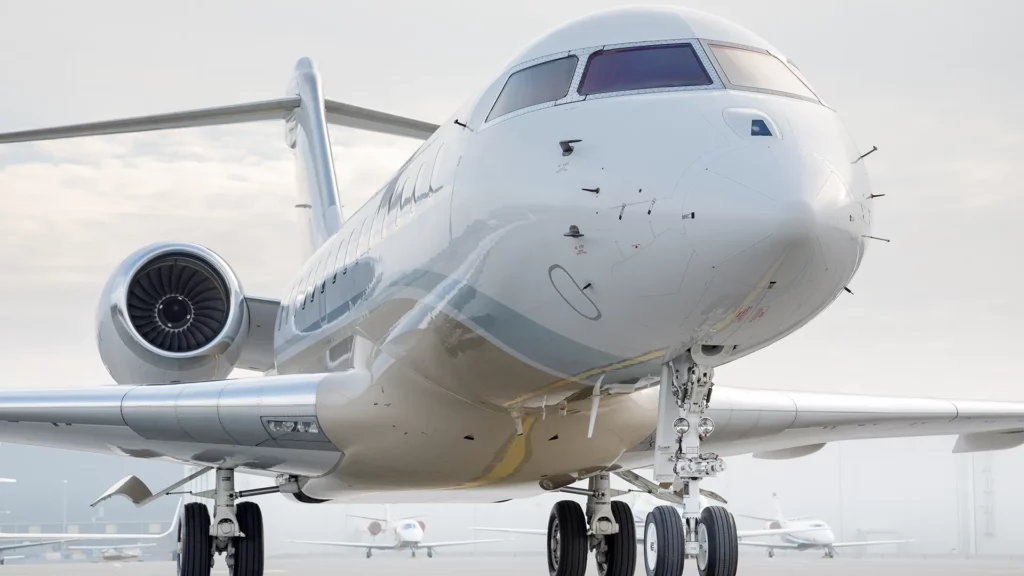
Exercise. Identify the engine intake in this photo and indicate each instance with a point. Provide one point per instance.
(178, 303)
(171, 312)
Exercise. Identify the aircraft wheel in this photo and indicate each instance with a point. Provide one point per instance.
(195, 552)
(567, 540)
(619, 557)
(249, 548)
(771, 553)
(831, 554)
(369, 553)
(664, 546)
(718, 545)
(430, 552)
(414, 553)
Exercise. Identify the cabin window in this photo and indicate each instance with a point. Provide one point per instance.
(437, 172)
(338, 262)
(377, 232)
(422, 183)
(544, 82)
(760, 71)
(364, 236)
(350, 253)
(643, 68)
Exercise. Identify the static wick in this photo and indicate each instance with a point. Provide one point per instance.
(873, 196)
(594, 190)
(622, 210)
(588, 285)
(866, 154)
(877, 238)
(457, 123)
(848, 290)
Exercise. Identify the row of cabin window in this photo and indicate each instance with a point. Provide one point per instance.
(396, 198)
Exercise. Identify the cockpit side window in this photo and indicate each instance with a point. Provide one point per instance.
(544, 82)
(643, 68)
(759, 71)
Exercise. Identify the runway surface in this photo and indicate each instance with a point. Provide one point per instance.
(534, 566)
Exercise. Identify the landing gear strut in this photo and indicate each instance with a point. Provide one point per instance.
(236, 531)
(708, 535)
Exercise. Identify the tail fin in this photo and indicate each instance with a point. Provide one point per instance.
(778, 507)
(307, 135)
(307, 115)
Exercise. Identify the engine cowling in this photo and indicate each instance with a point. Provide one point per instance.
(374, 528)
(171, 312)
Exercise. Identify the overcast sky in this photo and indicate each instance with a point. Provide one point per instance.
(935, 85)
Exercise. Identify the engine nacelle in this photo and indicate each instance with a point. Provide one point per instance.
(374, 528)
(171, 312)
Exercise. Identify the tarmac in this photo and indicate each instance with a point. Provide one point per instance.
(402, 565)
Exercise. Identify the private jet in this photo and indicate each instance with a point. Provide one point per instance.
(539, 295)
(402, 534)
(116, 553)
(808, 534)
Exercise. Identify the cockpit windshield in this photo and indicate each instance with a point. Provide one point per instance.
(760, 71)
(544, 82)
(643, 68)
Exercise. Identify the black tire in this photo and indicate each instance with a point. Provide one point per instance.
(620, 558)
(567, 540)
(430, 553)
(716, 534)
(369, 553)
(195, 552)
(664, 545)
(249, 548)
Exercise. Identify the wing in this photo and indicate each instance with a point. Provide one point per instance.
(515, 530)
(754, 517)
(871, 543)
(114, 547)
(223, 422)
(360, 545)
(458, 543)
(771, 532)
(6, 547)
(776, 424)
(70, 536)
(767, 545)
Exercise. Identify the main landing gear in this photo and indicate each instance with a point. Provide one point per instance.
(607, 529)
(236, 531)
(707, 535)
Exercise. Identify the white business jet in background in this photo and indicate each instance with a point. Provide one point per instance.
(808, 534)
(539, 295)
(401, 534)
(642, 504)
(116, 553)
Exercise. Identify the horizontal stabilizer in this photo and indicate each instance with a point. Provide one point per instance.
(337, 113)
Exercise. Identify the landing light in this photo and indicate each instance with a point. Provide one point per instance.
(286, 426)
(706, 426)
(682, 425)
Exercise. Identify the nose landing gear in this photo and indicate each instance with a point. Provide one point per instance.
(708, 535)
(607, 529)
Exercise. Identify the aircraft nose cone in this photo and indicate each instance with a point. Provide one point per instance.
(759, 199)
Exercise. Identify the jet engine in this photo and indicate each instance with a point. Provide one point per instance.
(374, 528)
(423, 525)
(171, 312)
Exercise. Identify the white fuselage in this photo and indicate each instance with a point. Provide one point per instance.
(407, 535)
(702, 237)
(813, 533)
